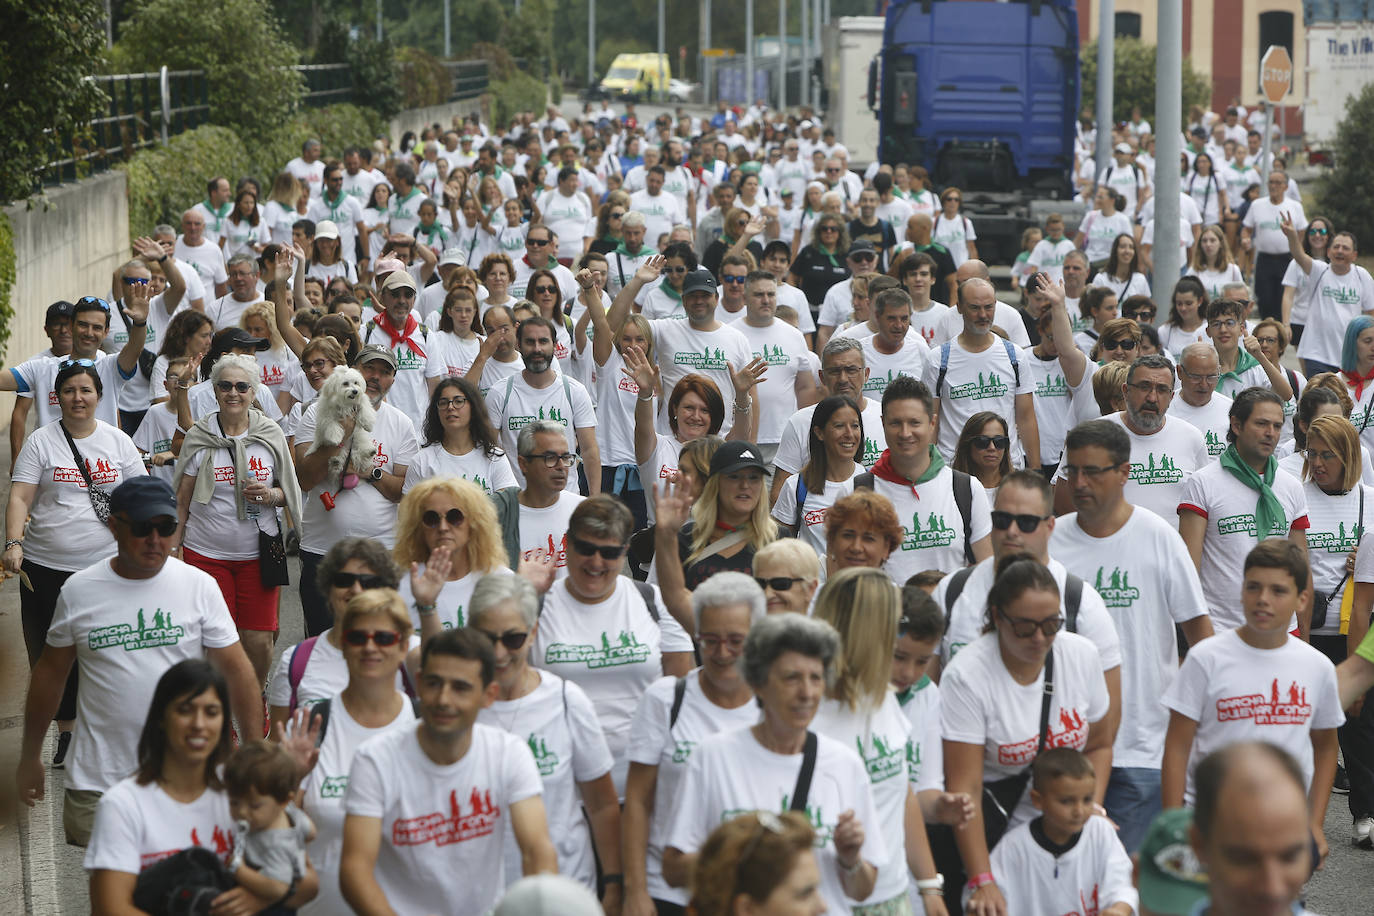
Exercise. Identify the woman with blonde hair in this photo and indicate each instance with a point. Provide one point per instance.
(448, 538)
(282, 208)
(789, 572)
(277, 362)
(861, 710)
(1212, 263)
(759, 862)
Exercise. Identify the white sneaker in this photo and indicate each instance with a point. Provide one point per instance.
(1360, 832)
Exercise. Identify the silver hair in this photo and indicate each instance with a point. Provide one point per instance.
(242, 259)
(1196, 348)
(728, 588)
(1232, 287)
(164, 229)
(245, 364)
(633, 220)
(837, 345)
(496, 589)
(775, 634)
(524, 444)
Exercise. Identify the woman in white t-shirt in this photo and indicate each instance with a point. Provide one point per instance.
(277, 364)
(51, 527)
(1315, 240)
(175, 799)
(1122, 273)
(984, 450)
(559, 723)
(1357, 371)
(1184, 325)
(495, 274)
(459, 441)
(1101, 227)
(285, 204)
(673, 717)
(188, 336)
(470, 233)
(453, 347)
(861, 530)
(1212, 263)
(1337, 504)
(954, 230)
(1206, 190)
(244, 231)
(992, 703)
(367, 706)
(861, 710)
(326, 255)
(376, 217)
(835, 438)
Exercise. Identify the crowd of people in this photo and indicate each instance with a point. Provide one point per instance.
(684, 512)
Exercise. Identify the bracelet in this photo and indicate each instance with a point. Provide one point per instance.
(641, 397)
(162, 260)
(425, 610)
(14, 542)
(981, 879)
(935, 885)
(613, 878)
(139, 324)
(850, 869)
(748, 405)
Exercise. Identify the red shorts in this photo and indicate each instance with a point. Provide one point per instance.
(252, 605)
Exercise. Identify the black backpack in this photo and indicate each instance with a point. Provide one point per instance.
(963, 499)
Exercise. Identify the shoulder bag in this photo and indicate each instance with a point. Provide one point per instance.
(1001, 796)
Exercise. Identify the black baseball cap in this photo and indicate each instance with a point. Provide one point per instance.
(237, 338)
(736, 455)
(699, 280)
(861, 246)
(61, 310)
(143, 497)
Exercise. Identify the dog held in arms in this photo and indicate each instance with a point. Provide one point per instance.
(344, 396)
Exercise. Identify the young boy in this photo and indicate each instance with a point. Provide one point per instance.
(1049, 253)
(1066, 860)
(1242, 362)
(269, 855)
(918, 640)
(1257, 683)
(164, 420)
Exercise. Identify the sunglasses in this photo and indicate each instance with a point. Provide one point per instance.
(536, 243)
(543, 289)
(512, 640)
(365, 580)
(240, 387)
(778, 583)
(383, 638)
(830, 229)
(863, 256)
(141, 529)
(736, 280)
(1316, 232)
(135, 281)
(587, 548)
(620, 215)
(1025, 629)
(431, 518)
(997, 442)
(83, 363)
(1127, 344)
(92, 302)
(1138, 314)
(674, 270)
(1027, 523)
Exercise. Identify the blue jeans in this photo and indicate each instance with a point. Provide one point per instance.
(1133, 800)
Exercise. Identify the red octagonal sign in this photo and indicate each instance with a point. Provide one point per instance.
(1276, 73)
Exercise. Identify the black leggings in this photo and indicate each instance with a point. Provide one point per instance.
(36, 608)
(1356, 737)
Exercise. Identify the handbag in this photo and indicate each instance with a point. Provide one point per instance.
(100, 499)
(1001, 796)
(1322, 602)
(272, 559)
(182, 884)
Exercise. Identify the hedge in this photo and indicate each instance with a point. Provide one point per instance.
(7, 275)
(520, 92)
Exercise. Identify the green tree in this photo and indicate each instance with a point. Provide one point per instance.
(1354, 139)
(46, 48)
(238, 43)
(1134, 83)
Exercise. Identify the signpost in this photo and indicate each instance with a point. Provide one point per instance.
(1276, 78)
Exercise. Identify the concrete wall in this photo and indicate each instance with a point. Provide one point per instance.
(417, 119)
(65, 250)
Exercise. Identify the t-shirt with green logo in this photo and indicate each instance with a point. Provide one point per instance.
(453, 599)
(1211, 419)
(1335, 532)
(925, 754)
(1053, 403)
(1161, 463)
(932, 526)
(975, 382)
(783, 348)
(682, 350)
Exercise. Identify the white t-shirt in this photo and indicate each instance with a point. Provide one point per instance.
(1134, 285)
(206, 259)
(793, 450)
(516, 404)
(441, 821)
(661, 211)
(981, 704)
(1093, 875)
(682, 350)
(656, 302)
(362, 511)
(954, 234)
(557, 723)
(910, 360)
(345, 214)
(731, 774)
(450, 356)
(1053, 402)
(616, 394)
(1049, 257)
(812, 528)
(932, 526)
(1262, 219)
(1100, 232)
(977, 382)
(490, 472)
(37, 378)
(1331, 300)
(63, 532)
(657, 743)
(1335, 531)
(311, 174)
(661, 466)
(547, 530)
(1212, 419)
(323, 796)
(567, 217)
(1213, 281)
(409, 392)
(784, 349)
(966, 617)
(154, 435)
(926, 754)
(1229, 508)
(1160, 465)
(612, 650)
(929, 322)
(1146, 578)
(1185, 237)
(126, 633)
(952, 325)
(1235, 692)
(137, 826)
(214, 529)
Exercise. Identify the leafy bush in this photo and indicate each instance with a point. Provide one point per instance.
(509, 97)
(7, 275)
(1354, 139)
(1134, 83)
(424, 79)
(335, 126)
(375, 85)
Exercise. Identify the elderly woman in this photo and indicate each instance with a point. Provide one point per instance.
(1022, 678)
(788, 572)
(314, 669)
(53, 526)
(374, 633)
(861, 530)
(233, 472)
(780, 764)
(759, 863)
(611, 636)
(564, 735)
(674, 716)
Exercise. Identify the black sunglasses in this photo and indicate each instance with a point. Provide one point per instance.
(1127, 344)
(431, 518)
(1027, 523)
(383, 638)
(587, 548)
(366, 580)
(1025, 629)
(240, 387)
(778, 583)
(512, 640)
(145, 527)
(997, 442)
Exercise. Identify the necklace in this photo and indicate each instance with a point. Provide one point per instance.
(508, 724)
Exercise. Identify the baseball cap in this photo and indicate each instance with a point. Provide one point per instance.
(861, 246)
(699, 280)
(61, 310)
(326, 229)
(1172, 880)
(399, 279)
(548, 895)
(785, 192)
(736, 456)
(387, 265)
(453, 256)
(238, 337)
(1120, 148)
(373, 352)
(143, 497)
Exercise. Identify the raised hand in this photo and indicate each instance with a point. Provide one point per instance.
(538, 570)
(300, 737)
(285, 263)
(148, 249)
(584, 278)
(746, 378)
(1286, 224)
(427, 581)
(637, 366)
(672, 504)
(136, 302)
(756, 225)
(650, 270)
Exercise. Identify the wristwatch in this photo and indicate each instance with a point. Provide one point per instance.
(376, 473)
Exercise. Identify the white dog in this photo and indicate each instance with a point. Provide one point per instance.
(344, 395)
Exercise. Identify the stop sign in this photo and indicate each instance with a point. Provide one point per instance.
(1276, 73)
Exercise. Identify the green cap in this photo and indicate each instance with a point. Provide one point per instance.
(1172, 880)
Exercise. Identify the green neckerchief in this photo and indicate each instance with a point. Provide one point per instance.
(905, 696)
(727, 239)
(829, 254)
(1267, 509)
(673, 294)
(397, 201)
(937, 464)
(626, 252)
(1244, 363)
(334, 207)
(430, 233)
(223, 210)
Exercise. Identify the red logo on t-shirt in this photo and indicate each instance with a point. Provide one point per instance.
(273, 375)
(1073, 733)
(382, 457)
(52, 398)
(815, 516)
(455, 828)
(559, 554)
(628, 384)
(1279, 708)
(1089, 902)
(221, 842)
(561, 351)
(258, 471)
(100, 473)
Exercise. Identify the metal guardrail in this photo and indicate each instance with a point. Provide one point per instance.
(326, 84)
(470, 78)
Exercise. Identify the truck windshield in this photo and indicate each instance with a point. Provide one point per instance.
(622, 73)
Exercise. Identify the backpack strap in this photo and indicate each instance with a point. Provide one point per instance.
(300, 657)
(944, 368)
(808, 767)
(957, 580)
(1073, 597)
(1015, 363)
(863, 481)
(320, 712)
(646, 591)
(679, 694)
(963, 499)
(801, 502)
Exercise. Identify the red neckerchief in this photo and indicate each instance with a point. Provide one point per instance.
(1357, 381)
(884, 470)
(399, 337)
(724, 527)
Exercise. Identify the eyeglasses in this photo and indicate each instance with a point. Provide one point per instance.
(1025, 629)
(365, 580)
(739, 281)
(1127, 344)
(383, 638)
(837, 371)
(1210, 378)
(1139, 314)
(512, 639)
(1147, 388)
(712, 643)
(1266, 340)
(543, 289)
(319, 365)
(863, 256)
(83, 363)
(553, 459)
(431, 518)
(587, 548)
(536, 243)
(832, 171)
(457, 403)
(135, 281)
(998, 442)
(778, 583)
(141, 529)
(620, 215)
(1090, 471)
(227, 386)
(1027, 523)
(1318, 231)
(1312, 454)
(1227, 324)
(675, 270)
(86, 302)
(953, 200)
(830, 229)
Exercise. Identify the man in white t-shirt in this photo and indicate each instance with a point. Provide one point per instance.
(541, 392)
(777, 260)
(894, 350)
(358, 181)
(1126, 178)
(427, 803)
(344, 210)
(1262, 232)
(308, 167)
(214, 209)
(790, 382)
(242, 273)
(838, 305)
(1139, 566)
(201, 253)
(1241, 499)
(1199, 403)
(567, 212)
(679, 181)
(979, 371)
(630, 255)
(546, 503)
(124, 621)
(661, 210)
(793, 174)
(166, 237)
(398, 329)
